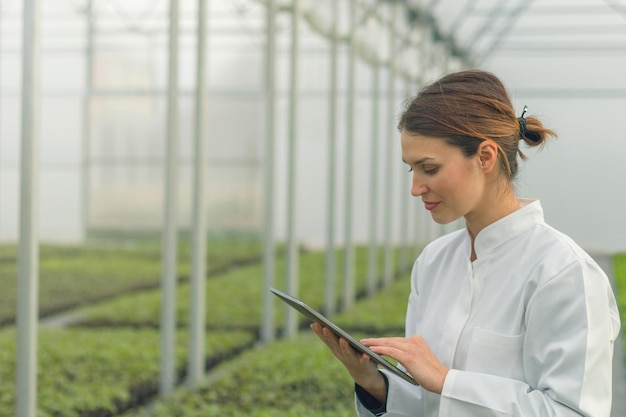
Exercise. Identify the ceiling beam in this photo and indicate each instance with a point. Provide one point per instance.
(556, 10)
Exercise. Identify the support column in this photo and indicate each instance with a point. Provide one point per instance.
(291, 321)
(405, 196)
(349, 292)
(197, 294)
(391, 158)
(268, 328)
(372, 264)
(28, 257)
(170, 229)
(86, 132)
(330, 297)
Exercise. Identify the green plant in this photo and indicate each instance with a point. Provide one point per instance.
(297, 377)
(72, 275)
(104, 370)
(85, 372)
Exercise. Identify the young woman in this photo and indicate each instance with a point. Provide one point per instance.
(507, 317)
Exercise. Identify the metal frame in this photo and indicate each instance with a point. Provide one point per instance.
(28, 252)
(28, 262)
(170, 229)
(197, 295)
(291, 316)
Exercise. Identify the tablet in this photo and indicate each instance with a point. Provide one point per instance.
(313, 315)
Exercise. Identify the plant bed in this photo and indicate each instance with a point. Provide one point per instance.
(101, 373)
(115, 368)
(243, 286)
(297, 377)
(71, 276)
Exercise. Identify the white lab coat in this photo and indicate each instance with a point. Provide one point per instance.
(527, 328)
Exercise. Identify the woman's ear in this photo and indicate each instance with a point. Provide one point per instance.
(488, 155)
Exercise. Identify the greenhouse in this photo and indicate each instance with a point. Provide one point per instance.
(163, 164)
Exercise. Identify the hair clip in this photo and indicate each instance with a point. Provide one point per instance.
(524, 111)
(522, 123)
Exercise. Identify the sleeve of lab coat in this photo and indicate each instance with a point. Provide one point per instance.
(403, 399)
(571, 324)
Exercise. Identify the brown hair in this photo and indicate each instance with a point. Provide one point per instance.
(467, 107)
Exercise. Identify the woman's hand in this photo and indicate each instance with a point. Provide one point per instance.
(360, 366)
(415, 355)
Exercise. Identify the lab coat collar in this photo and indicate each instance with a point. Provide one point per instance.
(527, 216)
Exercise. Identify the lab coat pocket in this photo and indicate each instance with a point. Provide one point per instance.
(496, 354)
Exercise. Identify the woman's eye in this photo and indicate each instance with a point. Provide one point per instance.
(427, 170)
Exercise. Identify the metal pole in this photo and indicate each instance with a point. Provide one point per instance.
(330, 300)
(28, 263)
(169, 250)
(404, 212)
(420, 213)
(372, 266)
(291, 317)
(268, 328)
(349, 287)
(389, 252)
(198, 255)
(412, 247)
(86, 166)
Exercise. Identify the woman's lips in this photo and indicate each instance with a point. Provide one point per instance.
(430, 206)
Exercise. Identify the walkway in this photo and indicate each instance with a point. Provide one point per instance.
(619, 372)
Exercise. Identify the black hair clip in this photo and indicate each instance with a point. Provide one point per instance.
(522, 123)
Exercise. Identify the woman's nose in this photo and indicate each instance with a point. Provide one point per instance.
(418, 187)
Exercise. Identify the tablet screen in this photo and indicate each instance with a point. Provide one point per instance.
(313, 315)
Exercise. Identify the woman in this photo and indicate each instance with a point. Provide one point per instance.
(507, 317)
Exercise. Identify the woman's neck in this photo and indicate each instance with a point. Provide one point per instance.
(490, 211)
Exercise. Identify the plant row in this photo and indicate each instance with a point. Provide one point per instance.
(296, 377)
(70, 276)
(103, 371)
(85, 372)
(233, 299)
(300, 377)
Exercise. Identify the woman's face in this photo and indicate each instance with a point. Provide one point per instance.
(450, 184)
